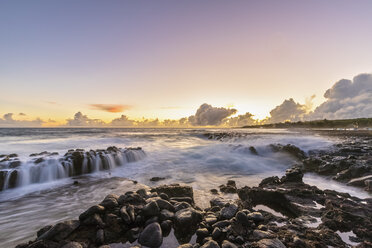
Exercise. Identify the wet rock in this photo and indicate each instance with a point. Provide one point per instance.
(186, 246)
(151, 236)
(72, 245)
(259, 234)
(210, 244)
(110, 201)
(175, 190)
(96, 209)
(228, 244)
(182, 199)
(164, 196)
(151, 209)
(163, 204)
(100, 237)
(293, 175)
(253, 150)
(166, 227)
(229, 211)
(181, 205)
(214, 191)
(289, 149)
(157, 179)
(134, 199)
(255, 216)
(125, 216)
(166, 215)
(216, 234)
(43, 230)
(202, 233)
(186, 220)
(13, 179)
(270, 243)
(60, 231)
(360, 181)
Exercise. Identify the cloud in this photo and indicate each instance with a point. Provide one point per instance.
(122, 121)
(52, 103)
(241, 120)
(22, 114)
(81, 120)
(8, 121)
(207, 115)
(347, 99)
(112, 108)
(289, 110)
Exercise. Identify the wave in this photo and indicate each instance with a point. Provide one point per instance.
(47, 167)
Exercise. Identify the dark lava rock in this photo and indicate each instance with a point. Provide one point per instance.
(60, 231)
(270, 243)
(229, 211)
(210, 244)
(293, 175)
(151, 209)
(151, 236)
(175, 190)
(72, 245)
(157, 179)
(228, 244)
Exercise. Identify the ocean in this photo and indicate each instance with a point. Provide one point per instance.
(45, 192)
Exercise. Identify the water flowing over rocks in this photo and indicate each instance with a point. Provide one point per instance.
(49, 166)
(280, 212)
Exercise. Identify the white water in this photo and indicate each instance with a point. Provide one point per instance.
(180, 155)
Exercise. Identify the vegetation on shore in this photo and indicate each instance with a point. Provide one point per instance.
(344, 123)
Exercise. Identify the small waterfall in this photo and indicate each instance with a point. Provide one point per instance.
(73, 163)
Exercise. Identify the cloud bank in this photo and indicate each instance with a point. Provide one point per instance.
(345, 99)
(8, 121)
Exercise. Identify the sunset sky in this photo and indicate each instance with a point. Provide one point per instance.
(163, 59)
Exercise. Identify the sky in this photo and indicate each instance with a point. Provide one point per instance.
(165, 59)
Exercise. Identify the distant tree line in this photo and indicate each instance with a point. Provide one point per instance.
(345, 123)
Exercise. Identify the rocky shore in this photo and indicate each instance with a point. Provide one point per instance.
(349, 161)
(280, 212)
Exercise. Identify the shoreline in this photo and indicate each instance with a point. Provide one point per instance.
(263, 216)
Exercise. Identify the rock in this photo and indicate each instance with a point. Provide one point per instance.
(182, 199)
(110, 201)
(255, 216)
(43, 230)
(133, 234)
(227, 244)
(60, 231)
(360, 181)
(164, 196)
(166, 215)
(269, 180)
(133, 199)
(181, 205)
(186, 246)
(13, 178)
(219, 201)
(259, 234)
(163, 204)
(175, 190)
(151, 209)
(157, 179)
(270, 243)
(100, 237)
(93, 220)
(151, 236)
(242, 218)
(202, 233)
(166, 227)
(216, 234)
(214, 191)
(125, 216)
(293, 175)
(229, 211)
(72, 245)
(253, 150)
(211, 244)
(96, 209)
(187, 219)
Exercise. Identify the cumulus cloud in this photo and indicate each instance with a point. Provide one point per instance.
(123, 121)
(112, 108)
(22, 114)
(347, 99)
(241, 120)
(9, 121)
(81, 120)
(207, 115)
(289, 110)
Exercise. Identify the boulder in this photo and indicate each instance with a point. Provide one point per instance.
(151, 236)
